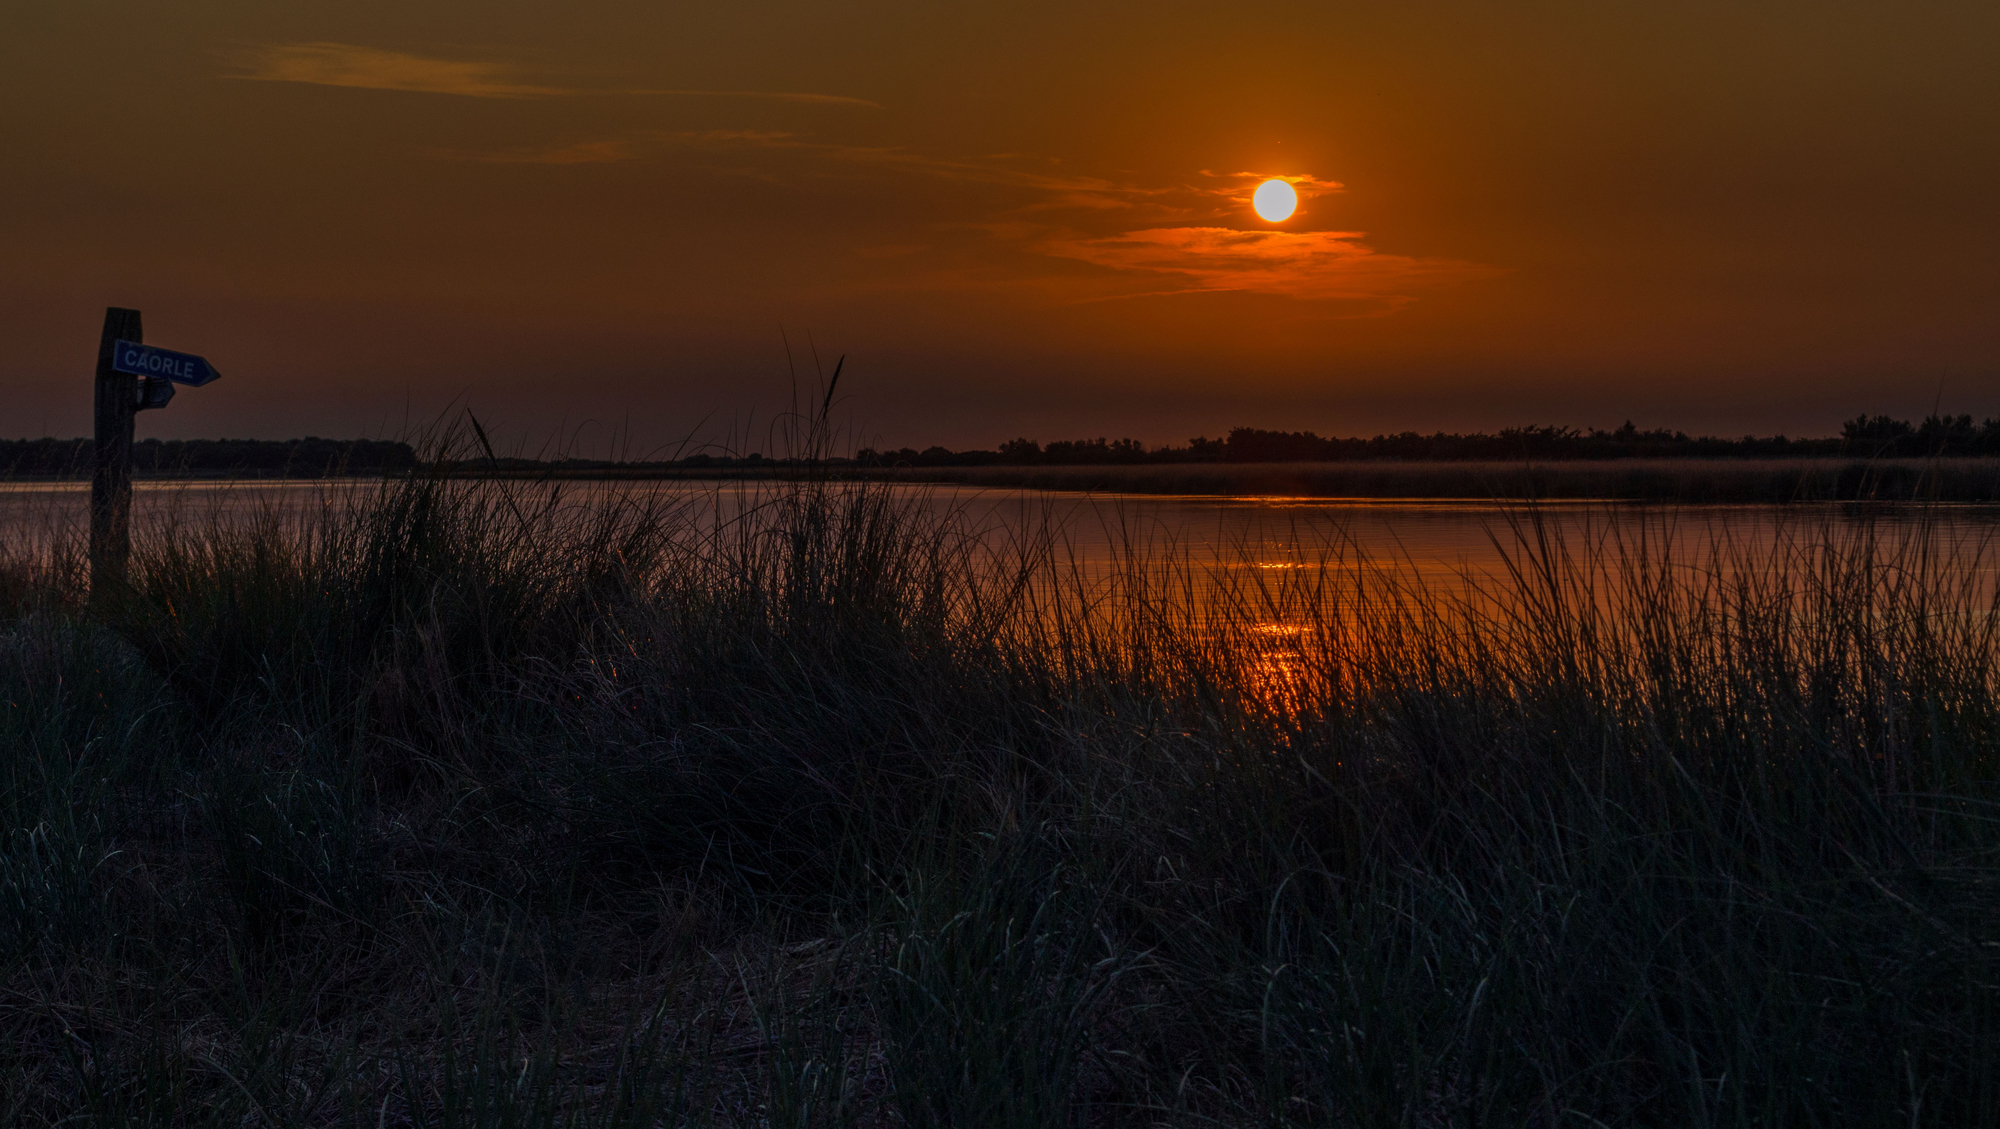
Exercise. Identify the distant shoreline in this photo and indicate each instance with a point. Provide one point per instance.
(1686, 480)
(1670, 479)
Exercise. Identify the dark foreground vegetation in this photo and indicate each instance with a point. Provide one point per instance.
(453, 806)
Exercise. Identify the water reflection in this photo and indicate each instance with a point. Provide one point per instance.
(1293, 590)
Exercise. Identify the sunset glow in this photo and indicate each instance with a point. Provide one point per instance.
(1275, 200)
(1029, 562)
(1304, 221)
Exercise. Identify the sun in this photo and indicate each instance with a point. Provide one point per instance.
(1275, 200)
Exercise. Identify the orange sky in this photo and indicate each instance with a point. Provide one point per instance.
(591, 219)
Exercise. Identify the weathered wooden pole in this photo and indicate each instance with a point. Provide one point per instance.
(111, 480)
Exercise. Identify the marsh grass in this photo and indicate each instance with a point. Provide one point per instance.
(486, 804)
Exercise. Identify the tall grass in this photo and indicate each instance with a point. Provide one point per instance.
(481, 804)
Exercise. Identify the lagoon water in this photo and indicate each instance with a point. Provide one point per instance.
(1435, 542)
(1275, 578)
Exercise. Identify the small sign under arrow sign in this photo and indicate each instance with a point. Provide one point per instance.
(118, 398)
(149, 360)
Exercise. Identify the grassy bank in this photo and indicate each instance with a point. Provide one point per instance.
(456, 806)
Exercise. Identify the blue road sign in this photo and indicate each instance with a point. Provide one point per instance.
(154, 392)
(147, 360)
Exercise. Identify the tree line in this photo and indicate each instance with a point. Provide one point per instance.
(311, 457)
(1864, 436)
(1878, 436)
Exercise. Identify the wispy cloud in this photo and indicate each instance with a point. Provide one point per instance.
(580, 153)
(768, 95)
(1312, 265)
(1296, 180)
(757, 138)
(1244, 185)
(367, 68)
(1048, 190)
(1184, 246)
(1184, 249)
(1043, 190)
(370, 68)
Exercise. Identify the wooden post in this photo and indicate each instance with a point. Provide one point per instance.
(111, 481)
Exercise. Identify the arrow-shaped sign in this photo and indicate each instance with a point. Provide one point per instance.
(148, 360)
(154, 392)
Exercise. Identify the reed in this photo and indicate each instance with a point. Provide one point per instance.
(460, 803)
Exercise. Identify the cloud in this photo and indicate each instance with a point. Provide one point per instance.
(1042, 191)
(369, 68)
(366, 68)
(1296, 180)
(758, 138)
(1319, 266)
(1051, 190)
(1312, 265)
(581, 153)
(770, 95)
